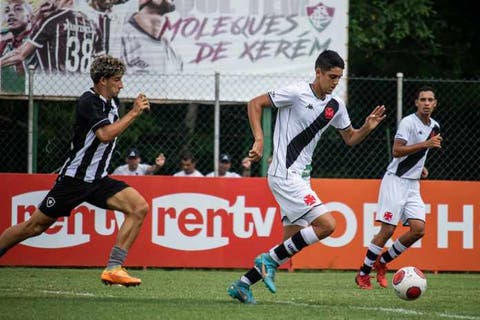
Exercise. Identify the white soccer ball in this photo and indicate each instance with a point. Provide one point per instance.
(409, 283)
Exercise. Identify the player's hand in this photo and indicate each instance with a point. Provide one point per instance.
(374, 118)
(435, 141)
(255, 154)
(141, 103)
(160, 161)
(246, 163)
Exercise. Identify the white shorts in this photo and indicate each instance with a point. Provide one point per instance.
(296, 199)
(399, 200)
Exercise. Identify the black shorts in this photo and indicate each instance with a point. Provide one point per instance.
(68, 192)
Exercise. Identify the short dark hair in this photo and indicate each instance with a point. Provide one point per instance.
(425, 88)
(328, 60)
(107, 67)
(188, 156)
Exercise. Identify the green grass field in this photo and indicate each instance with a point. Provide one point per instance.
(51, 293)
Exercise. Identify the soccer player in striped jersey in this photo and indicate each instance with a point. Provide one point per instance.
(83, 176)
(66, 41)
(399, 197)
(144, 48)
(304, 111)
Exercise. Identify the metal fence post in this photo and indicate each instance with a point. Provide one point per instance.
(216, 135)
(267, 137)
(399, 96)
(32, 125)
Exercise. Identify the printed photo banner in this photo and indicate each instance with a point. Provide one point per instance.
(169, 38)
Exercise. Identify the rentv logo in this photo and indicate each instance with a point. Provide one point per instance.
(183, 221)
(84, 220)
(195, 221)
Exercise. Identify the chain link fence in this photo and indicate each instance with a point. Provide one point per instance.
(176, 124)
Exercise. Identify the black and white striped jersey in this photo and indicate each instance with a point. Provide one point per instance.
(89, 158)
(412, 130)
(302, 117)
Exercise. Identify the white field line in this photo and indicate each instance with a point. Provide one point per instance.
(61, 293)
(390, 310)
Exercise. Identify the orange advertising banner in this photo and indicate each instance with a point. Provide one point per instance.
(225, 223)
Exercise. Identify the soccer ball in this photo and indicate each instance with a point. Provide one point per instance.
(409, 283)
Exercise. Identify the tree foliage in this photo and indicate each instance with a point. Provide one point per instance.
(422, 38)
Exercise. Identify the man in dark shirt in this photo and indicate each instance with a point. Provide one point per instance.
(83, 176)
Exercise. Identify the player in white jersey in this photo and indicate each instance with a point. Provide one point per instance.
(135, 167)
(144, 47)
(399, 196)
(305, 111)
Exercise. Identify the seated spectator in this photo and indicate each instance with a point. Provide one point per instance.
(188, 164)
(134, 167)
(224, 165)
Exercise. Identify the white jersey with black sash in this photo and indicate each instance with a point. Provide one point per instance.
(302, 117)
(412, 130)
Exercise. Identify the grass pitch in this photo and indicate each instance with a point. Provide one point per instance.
(57, 293)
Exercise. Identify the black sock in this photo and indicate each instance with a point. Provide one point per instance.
(253, 275)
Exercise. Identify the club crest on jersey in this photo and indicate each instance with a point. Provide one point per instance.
(388, 216)
(329, 112)
(320, 16)
(309, 200)
(50, 202)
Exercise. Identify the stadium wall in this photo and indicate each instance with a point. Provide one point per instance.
(225, 223)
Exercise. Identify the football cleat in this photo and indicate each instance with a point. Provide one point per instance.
(381, 269)
(363, 281)
(119, 276)
(241, 291)
(267, 268)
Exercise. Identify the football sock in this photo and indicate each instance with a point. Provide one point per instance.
(252, 276)
(291, 246)
(372, 253)
(117, 257)
(393, 252)
(3, 251)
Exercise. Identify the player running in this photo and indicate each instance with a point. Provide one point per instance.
(399, 197)
(305, 111)
(83, 176)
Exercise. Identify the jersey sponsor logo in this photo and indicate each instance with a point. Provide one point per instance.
(309, 106)
(196, 221)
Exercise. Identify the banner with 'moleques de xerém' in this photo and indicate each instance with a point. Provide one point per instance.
(174, 40)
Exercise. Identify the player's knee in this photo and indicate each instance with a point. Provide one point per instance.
(328, 225)
(34, 229)
(418, 233)
(140, 210)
